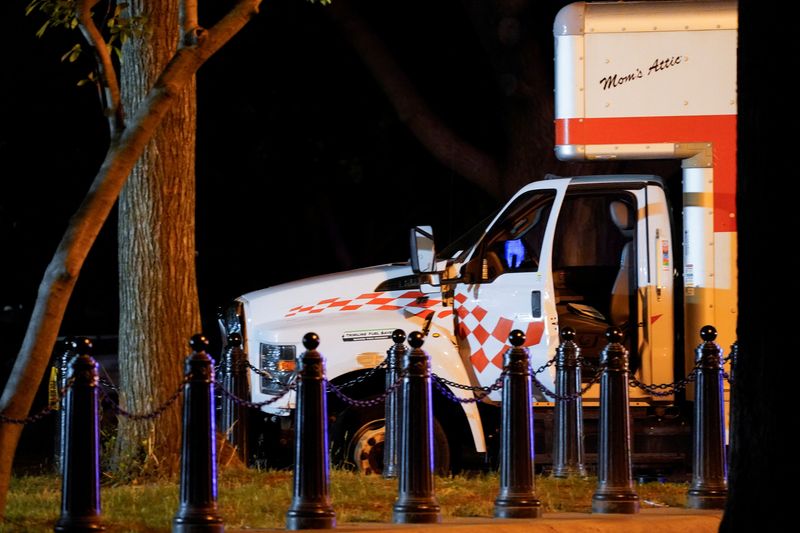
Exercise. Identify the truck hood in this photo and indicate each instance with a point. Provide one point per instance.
(331, 292)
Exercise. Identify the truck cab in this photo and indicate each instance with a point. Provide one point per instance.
(589, 252)
(585, 252)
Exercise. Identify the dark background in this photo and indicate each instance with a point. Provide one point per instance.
(303, 166)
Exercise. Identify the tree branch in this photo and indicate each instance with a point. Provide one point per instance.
(112, 106)
(190, 28)
(450, 149)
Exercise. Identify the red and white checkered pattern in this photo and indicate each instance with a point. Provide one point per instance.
(413, 302)
(487, 334)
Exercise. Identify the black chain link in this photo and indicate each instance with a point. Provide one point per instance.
(50, 408)
(330, 387)
(585, 363)
(476, 388)
(545, 366)
(666, 389)
(490, 388)
(570, 397)
(152, 415)
(441, 385)
(365, 376)
(256, 405)
(260, 372)
(727, 377)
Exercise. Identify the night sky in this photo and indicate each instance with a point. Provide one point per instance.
(303, 166)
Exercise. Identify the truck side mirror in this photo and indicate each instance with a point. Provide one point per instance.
(423, 251)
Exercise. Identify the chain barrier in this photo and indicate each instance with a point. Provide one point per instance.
(666, 389)
(152, 415)
(259, 372)
(545, 366)
(51, 408)
(330, 387)
(476, 388)
(585, 363)
(727, 377)
(108, 385)
(256, 405)
(441, 383)
(365, 376)
(575, 395)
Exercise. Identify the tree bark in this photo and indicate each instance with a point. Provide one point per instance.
(61, 274)
(157, 283)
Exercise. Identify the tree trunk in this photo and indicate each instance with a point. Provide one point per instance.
(157, 283)
(763, 446)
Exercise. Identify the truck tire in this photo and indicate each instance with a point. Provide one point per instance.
(357, 441)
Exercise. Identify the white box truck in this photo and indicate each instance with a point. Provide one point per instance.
(634, 80)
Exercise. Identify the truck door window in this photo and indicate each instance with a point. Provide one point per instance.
(514, 243)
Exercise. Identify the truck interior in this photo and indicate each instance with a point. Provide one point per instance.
(594, 267)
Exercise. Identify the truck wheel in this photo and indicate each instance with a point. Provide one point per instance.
(357, 441)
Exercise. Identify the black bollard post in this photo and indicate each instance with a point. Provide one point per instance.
(709, 488)
(416, 502)
(198, 493)
(568, 417)
(615, 491)
(62, 365)
(311, 502)
(235, 380)
(517, 497)
(80, 482)
(394, 360)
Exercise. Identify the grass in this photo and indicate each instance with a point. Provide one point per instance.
(260, 499)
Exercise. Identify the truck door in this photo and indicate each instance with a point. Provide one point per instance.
(509, 285)
(612, 266)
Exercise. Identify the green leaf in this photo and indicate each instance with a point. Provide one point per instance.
(41, 30)
(72, 54)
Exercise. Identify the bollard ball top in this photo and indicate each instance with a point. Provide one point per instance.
(81, 345)
(614, 334)
(199, 343)
(416, 339)
(310, 340)
(398, 336)
(708, 333)
(516, 338)
(235, 339)
(567, 334)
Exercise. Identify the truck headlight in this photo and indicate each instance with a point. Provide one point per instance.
(277, 365)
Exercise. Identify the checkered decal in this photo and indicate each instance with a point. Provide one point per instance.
(414, 302)
(488, 336)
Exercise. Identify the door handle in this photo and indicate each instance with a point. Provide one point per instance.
(536, 304)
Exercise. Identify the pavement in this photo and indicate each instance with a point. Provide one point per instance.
(659, 520)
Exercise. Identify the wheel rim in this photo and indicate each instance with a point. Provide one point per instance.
(367, 446)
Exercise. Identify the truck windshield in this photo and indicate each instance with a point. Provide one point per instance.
(458, 248)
